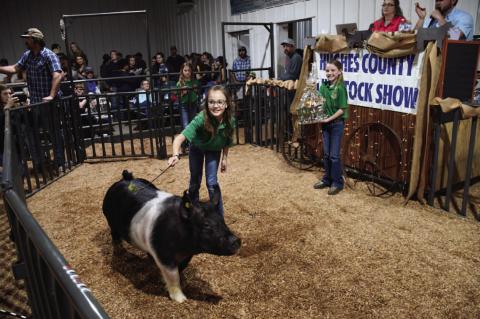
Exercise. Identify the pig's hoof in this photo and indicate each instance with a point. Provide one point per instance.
(178, 297)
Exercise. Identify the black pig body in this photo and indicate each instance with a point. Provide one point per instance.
(170, 228)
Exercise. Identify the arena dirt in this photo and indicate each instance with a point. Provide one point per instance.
(304, 254)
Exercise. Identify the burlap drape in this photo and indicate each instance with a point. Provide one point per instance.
(428, 87)
(392, 45)
(450, 104)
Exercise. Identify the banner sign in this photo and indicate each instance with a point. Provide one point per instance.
(372, 81)
(242, 6)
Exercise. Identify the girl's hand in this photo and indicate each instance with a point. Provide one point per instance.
(223, 165)
(325, 121)
(173, 160)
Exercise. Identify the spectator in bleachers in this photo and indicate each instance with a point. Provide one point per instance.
(79, 68)
(104, 65)
(188, 97)
(76, 51)
(140, 62)
(174, 62)
(92, 85)
(124, 85)
(132, 65)
(142, 98)
(218, 76)
(188, 58)
(65, 87)
(196, 60)
(56, 48)
(110, 68)
(79, 91)
(204, 66)
(159, 67)
(241, 63)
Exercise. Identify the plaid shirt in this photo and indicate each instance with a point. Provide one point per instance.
(241, 64)
(39, 72)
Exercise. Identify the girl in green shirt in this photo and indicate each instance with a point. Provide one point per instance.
(210, 135)
(188, 96)
(336, 107)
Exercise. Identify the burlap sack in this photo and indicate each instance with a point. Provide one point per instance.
(449, 104)
(331, 43)
(392, 45)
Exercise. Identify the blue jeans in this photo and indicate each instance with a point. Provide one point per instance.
(332, 134)
(187, 112)
(212, 160)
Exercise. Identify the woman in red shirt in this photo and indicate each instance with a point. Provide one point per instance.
(392, 17)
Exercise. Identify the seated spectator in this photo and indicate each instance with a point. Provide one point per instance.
(64, 85)
(76, 51)
(56, 48)
(144, 99)
(124, 85)
(159, 67)
(140, 63)
(91, 86)
(79, 91)
(392, 17)
(79, 68)
(445, 11)
(205, 65)
(132, 65)
(219, 75)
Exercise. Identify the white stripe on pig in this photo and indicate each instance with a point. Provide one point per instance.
(142, 223)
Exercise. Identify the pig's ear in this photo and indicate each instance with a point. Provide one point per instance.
(186, 205)
(216, 196)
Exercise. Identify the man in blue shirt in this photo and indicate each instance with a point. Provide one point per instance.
(44, 74)
(445, 11)
(241, 63)
(42, 66)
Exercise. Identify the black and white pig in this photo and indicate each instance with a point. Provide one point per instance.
(170, 228)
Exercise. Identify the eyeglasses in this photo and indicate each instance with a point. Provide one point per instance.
(219, 103)
(388, 5)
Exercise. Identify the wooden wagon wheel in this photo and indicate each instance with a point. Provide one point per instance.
(299, 153)
(373, 152)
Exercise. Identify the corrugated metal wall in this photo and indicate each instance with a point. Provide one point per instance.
(197, 30)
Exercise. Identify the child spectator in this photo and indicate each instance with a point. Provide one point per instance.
(159, 67)
(188, 97)
(91, 86)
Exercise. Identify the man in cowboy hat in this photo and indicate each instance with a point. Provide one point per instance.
(42, 66)
(44, 74)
